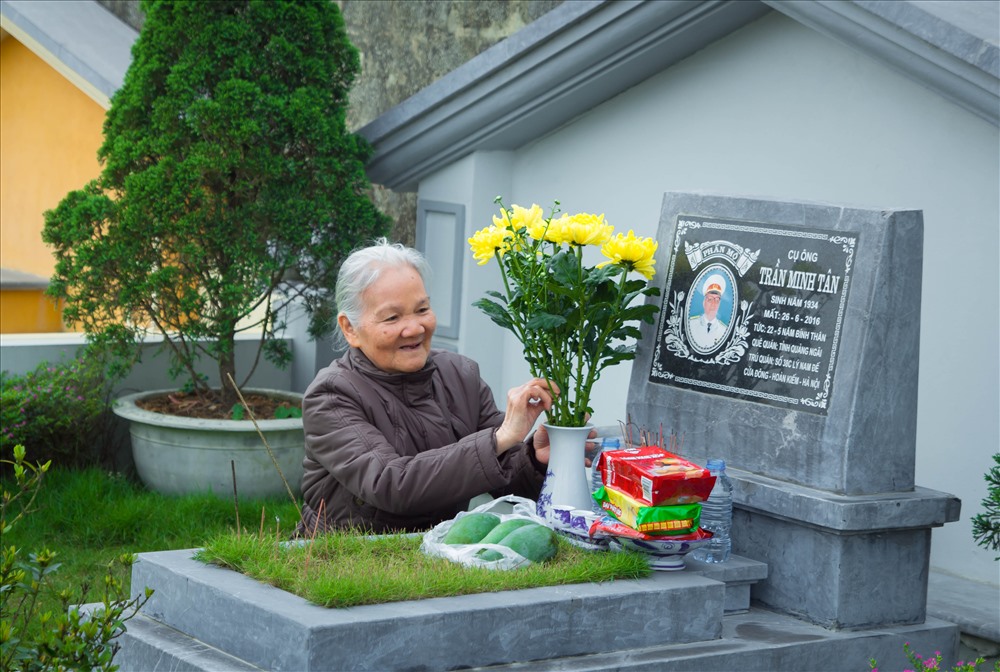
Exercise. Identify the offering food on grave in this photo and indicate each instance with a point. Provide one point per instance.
(533, 541)
(655, 476)
(500, 532)
(608, 527)
(653, 520)
(471, 528)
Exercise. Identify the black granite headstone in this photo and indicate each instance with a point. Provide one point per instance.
(753, 310)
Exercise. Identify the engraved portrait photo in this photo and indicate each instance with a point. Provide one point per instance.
(710, 308)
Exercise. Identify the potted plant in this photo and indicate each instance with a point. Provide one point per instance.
(573, 319)
(230, 190)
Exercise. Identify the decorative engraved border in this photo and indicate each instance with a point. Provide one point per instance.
(738, 346)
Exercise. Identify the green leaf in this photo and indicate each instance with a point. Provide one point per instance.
(283, 412)
(237, 412)
(495, 312)
(496, 295)
(546, 321)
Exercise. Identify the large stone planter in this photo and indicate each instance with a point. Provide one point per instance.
(176, 455)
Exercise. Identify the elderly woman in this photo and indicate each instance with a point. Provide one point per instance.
(399, 436)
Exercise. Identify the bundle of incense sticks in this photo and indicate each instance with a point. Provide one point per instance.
(646, 437)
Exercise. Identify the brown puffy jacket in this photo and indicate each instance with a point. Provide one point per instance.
(388, 452)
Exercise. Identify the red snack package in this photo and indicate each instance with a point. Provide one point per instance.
(655, 476)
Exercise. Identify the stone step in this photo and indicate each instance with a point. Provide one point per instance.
(764, 641)
(150, 646)
(738, 573)
(753, 640)
(273, 629)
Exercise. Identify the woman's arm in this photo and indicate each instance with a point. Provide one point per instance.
(364, 449)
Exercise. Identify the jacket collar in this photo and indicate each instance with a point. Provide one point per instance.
(407, 386)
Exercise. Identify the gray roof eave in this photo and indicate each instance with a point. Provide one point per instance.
(577, 56)
(11, 278)
(79, 38)
(932, 43)
(586, 52)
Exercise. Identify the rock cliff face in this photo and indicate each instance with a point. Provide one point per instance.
(405, 46)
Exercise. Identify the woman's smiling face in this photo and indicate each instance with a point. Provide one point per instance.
(397, 322)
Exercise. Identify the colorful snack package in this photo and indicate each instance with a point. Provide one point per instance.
(655, 477)
(654, 520)
(607, 527)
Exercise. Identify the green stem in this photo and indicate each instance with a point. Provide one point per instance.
(606, 332)
(581, 302)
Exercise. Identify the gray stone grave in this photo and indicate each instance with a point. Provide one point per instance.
(809, 394)
(808, 390)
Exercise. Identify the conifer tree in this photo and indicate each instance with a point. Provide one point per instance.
(229, 184)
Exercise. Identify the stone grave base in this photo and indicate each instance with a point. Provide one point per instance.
(207, 618)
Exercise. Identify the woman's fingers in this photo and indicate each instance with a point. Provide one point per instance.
(541, 392)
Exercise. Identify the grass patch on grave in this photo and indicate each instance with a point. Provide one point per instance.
(344, 569)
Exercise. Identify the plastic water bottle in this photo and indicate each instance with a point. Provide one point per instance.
(717, 516)
(595, 473)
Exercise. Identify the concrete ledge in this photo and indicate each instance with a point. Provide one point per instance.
(738, 573)
(868, 514)
(973, 606)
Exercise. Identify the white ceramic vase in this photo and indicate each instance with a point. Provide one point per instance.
(566, 483)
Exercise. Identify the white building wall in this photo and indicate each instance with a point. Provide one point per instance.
(779, 111)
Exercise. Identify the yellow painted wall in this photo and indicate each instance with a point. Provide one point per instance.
(28, 311)
(50, 132)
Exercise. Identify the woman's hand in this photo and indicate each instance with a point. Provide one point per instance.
(541, 443)
(524, 404)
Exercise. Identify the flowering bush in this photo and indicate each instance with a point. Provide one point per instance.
(57, 410)
(572, 319)
(921, 664)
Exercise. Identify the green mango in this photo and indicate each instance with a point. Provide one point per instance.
(535, 542)
(471, 528)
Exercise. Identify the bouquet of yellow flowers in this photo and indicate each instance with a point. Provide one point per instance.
(573, 320)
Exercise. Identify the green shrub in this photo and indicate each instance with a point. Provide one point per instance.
(986, 525)
(59, 411)
(65, 639)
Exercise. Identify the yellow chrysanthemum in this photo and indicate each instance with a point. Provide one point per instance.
(587, 229)
(519, 217)
(632, 252)
(502, 221)
(558, 230)
(529, 218)
(485, 243)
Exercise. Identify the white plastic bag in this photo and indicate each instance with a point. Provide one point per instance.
(506, 508)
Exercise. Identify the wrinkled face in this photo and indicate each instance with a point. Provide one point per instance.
(397, 322)
(711, 305)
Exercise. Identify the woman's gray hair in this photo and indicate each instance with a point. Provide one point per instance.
(362, 268)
